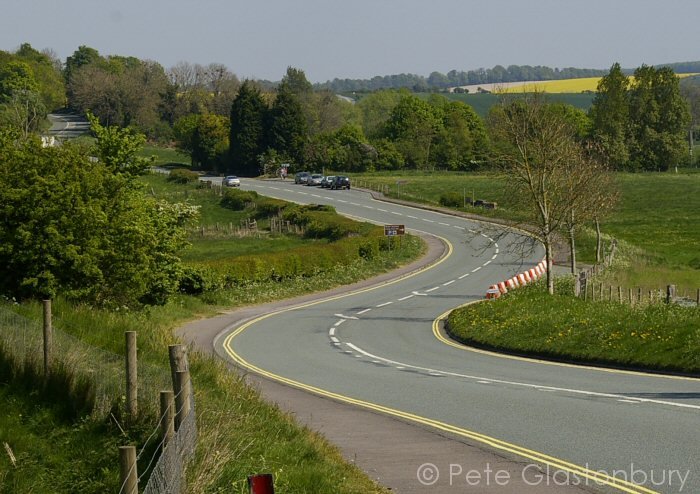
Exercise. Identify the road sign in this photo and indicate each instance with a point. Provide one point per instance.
(393, 230)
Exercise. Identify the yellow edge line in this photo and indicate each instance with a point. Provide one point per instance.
(598, 477)
(467, 348)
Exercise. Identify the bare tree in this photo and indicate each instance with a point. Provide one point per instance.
(537, 150)
(593, 194)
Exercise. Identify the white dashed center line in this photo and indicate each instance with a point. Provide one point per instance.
(405, 298)
(384, 304)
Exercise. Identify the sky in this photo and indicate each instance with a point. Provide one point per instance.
(362, 38)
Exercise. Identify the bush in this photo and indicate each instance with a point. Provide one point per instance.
(183, 176)
(452, 200)
(237, 199)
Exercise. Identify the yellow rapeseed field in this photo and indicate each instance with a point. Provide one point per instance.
(562, 86)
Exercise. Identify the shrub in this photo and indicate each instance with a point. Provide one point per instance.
(237, 199)
(451, 200)
(183, 176)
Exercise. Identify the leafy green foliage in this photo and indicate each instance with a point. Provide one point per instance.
(642, 124)
(205, 138)
(118, 148)
(247, 130)
(183, 176)
(82, 228)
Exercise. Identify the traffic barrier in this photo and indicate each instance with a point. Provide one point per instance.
(521, 278)
(502, 287)
(533, 274)
(510, 284)
(493, 292)
(527, 276)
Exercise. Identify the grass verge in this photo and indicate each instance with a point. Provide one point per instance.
(655, 337)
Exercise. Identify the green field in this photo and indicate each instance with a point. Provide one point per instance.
(658, 217)
(165, 156)
(483, 102)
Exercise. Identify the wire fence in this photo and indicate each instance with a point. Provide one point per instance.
(168, 472)
(95, 381)
(92, 374)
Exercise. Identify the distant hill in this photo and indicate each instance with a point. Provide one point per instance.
(498, 74)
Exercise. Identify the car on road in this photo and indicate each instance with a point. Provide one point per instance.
(302, 178)
(315, 179)
(340, 182)
(232, 181)
(327, 181)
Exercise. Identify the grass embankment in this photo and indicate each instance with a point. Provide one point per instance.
(239, 434)
(654, 337)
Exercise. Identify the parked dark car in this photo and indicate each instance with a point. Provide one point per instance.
(341, 182)
(302, 178)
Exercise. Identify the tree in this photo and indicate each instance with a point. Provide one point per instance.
(118, 148)
(414, 126)
(659, 119)
(376, 109)
(463, 143)
(16, 77)
(287, 128)
(538, 151)
(211, 142)
(247, 130)
(73, 226)
(610, 116)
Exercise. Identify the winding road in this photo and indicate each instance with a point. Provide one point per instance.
(382, 348)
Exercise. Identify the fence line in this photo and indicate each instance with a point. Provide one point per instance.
(22, 341)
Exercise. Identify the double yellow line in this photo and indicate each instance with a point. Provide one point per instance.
(540, 458)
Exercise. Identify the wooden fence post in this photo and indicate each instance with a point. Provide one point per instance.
(182, 397)
(619, 293)
(131, 374)
(697, 298)
(127, 469)
(48, 337)
(670, 293)
(178, 362)
(167, 416)
(631, 297)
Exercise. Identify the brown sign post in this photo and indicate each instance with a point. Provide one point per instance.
(394, 230)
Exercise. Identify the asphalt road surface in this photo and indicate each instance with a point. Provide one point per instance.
(67, 125)
(383, 349)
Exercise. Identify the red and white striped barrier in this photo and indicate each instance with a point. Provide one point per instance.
(520, 279)
(493, 292)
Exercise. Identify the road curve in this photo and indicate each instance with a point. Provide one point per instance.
(382, 349)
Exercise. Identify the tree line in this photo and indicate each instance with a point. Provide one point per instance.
(229, 126)
(437, 80)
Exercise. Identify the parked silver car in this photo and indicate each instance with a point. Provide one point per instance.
(315, 179)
